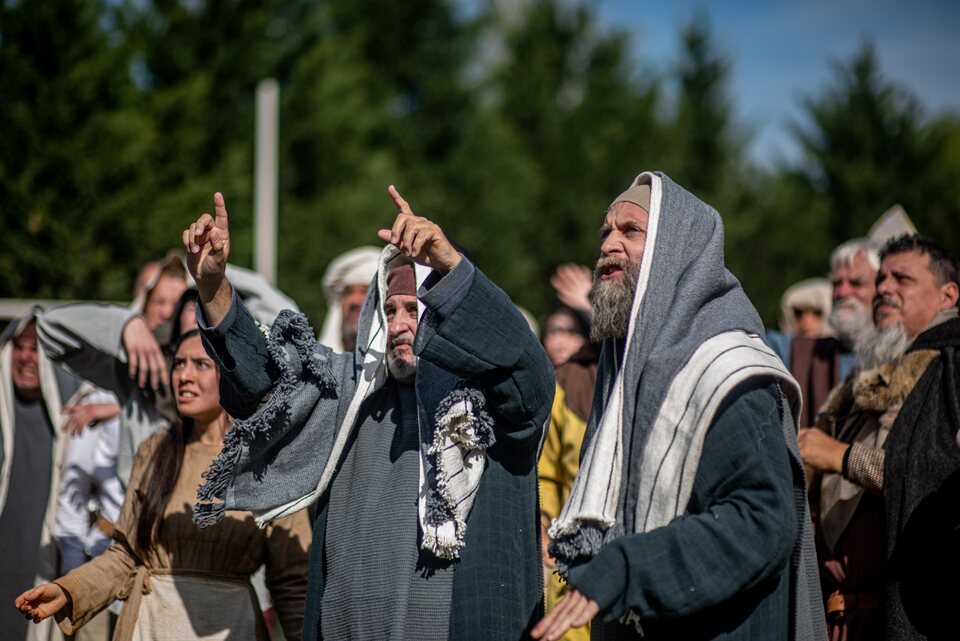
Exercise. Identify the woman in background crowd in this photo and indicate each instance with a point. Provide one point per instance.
(191, 584)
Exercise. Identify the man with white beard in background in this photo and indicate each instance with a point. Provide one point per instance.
(820, 364)
(889, 468)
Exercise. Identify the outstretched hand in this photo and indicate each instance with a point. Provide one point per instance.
(572, 611)
(41, 602)
(418, 238)
(207, 243)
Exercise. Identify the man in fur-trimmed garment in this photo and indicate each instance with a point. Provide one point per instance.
(418, 449)
(888, 488)
(688, 518)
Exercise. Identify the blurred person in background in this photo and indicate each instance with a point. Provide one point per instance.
(32, 448)
(565, 332)
(90, 492)
(345, 285)
(576, 377)
(821, 363)
(804, 309)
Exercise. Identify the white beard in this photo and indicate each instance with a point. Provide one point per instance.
(879, 346)
(851, 319)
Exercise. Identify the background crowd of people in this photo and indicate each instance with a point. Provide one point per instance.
(108, 405)
(513, 135)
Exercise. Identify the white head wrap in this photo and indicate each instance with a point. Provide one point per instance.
(355, 267)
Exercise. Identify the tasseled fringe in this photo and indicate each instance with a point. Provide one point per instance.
(461, 421)
(290, 327)
(573, 548)
(444, 541)
(207, 514)
(461, 418)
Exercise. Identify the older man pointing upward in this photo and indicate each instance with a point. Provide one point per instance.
(419, 448)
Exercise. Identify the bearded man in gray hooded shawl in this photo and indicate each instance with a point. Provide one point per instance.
(688, 519)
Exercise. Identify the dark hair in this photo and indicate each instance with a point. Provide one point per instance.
(581, 324)
(189, 295)
(942, 263)
(166, 464)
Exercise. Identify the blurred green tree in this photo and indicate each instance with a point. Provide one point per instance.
(71, 151)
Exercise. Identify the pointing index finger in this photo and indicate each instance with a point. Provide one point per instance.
(220, 211)
(402, 206)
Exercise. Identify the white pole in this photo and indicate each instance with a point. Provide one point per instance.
(265, 191)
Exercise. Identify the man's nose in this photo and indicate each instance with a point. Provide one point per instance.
(885, 286)
(399, 325)
(612, 244)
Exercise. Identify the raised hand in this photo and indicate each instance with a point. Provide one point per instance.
(418, 238)
(145, 360)
(572, 284)
(42, 601)
(207, 243)
(79, 416)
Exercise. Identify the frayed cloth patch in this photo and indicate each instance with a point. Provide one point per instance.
(463, 432)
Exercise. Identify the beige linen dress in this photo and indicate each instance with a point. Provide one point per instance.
(192, 584)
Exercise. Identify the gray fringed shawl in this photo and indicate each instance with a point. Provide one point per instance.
(283, 457)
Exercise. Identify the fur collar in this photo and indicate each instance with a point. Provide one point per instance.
(881, 389)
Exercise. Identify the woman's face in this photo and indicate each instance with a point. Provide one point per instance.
(561, 339)
(195, 381)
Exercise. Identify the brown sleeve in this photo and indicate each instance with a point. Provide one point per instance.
(865, 467)
(288, 553)
(98, 582)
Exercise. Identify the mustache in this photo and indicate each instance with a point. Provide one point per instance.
(848, 302)
(401, 339)
(611, 261)
(604, 262)
(884, 300)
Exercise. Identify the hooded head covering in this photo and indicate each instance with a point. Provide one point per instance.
(355, 267)
(812, 293)
(692, 337)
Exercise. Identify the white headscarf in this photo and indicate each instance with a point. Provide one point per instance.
(355, 267)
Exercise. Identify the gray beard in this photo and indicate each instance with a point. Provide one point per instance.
(402, 370)
(612, 301)
(879, 346)
(851, 325)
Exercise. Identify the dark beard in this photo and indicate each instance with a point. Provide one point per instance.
(612, 300)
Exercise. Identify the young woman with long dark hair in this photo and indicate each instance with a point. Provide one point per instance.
(179, 581)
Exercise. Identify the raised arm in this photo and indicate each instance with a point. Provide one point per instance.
(91, 340)
(473, 329)
(207, 242)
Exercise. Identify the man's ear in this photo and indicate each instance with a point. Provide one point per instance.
(949, 293)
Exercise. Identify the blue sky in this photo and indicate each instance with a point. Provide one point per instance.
(781, 51)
